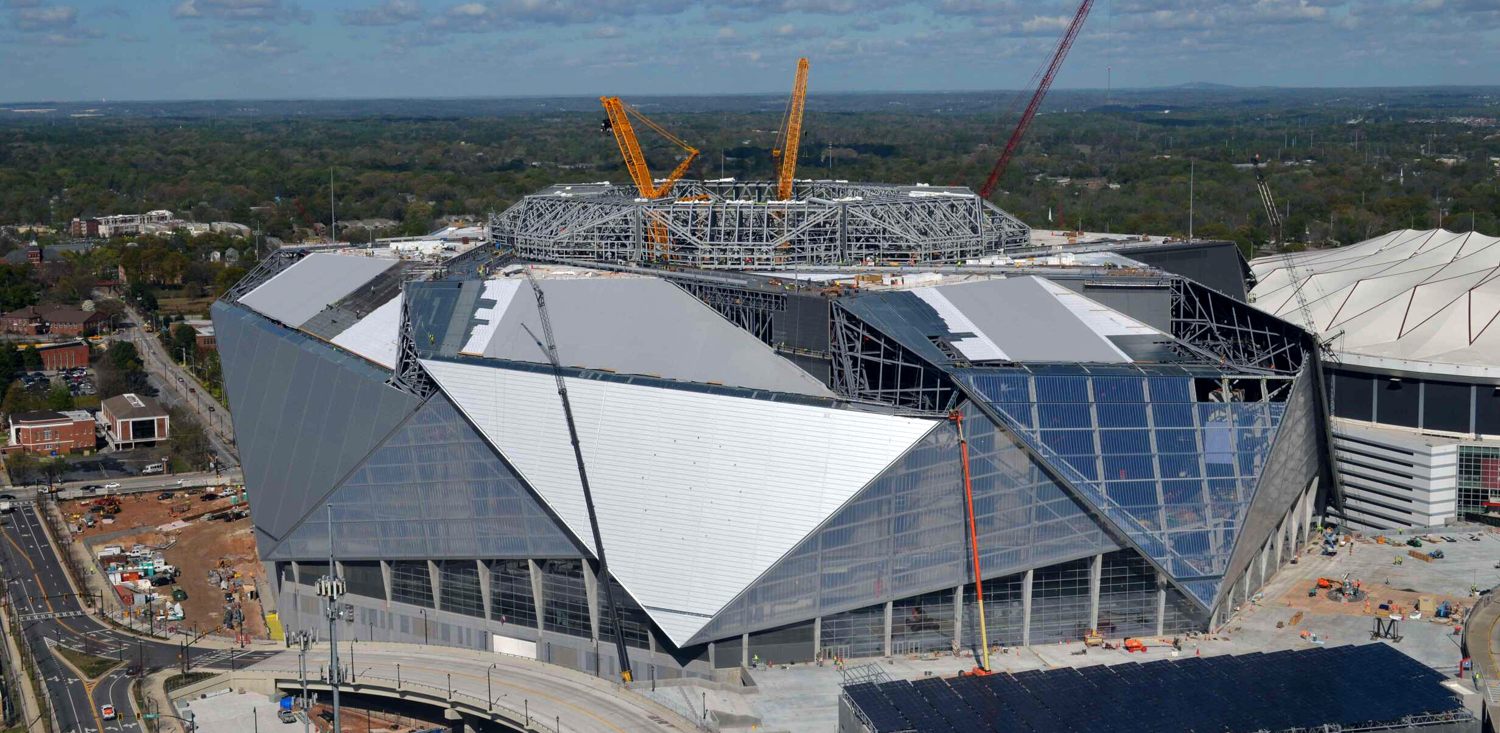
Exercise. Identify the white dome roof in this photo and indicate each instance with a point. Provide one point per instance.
(1416, 296)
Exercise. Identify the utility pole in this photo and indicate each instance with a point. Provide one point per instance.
(1192, 180)
(331, 588)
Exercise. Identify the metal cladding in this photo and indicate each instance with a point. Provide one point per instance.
(1127, 468)
(738, 225)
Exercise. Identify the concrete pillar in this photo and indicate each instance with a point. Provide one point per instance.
(591, 589)
(1245, 584)
(1026, 607)
(713, 652)
(385, 577)
(484, 585)
(958, 617)
(1161, 604)
(744, 650)
(889, 610)
(1096, 573)
(296, 572)
(536, 591)
(817, 635)
(1277, 539)
(435, 579)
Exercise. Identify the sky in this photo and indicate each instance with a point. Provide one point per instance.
(85, 50)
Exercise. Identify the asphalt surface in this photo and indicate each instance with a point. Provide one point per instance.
(178, 386)
(49, 614)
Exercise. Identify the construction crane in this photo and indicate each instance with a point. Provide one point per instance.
(1036, 99)
(550, 349)
(963, 455)
(1273, 216)
(790, 138)
(618, 121)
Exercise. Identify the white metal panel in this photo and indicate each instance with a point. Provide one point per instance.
(501, 292)
(1100, 319)
(697, 494)
(374, 337)
(978, 347)
(311, 284)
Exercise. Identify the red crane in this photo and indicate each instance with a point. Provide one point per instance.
(1036, 98)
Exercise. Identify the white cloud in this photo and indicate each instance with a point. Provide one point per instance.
(390, 12)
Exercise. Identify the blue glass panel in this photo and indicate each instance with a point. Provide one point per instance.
(1114, 442)
(1177, 483)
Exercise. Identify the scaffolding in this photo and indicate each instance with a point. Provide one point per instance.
(729, 224)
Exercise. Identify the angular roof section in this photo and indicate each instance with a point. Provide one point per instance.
(1017, 319)
(1428, 296)
(130, 406)
(697, 494)
(318, 280)
(626, 325)
(375, 337)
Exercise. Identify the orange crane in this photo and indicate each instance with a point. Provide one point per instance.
(1058, 55)
(790, 138)
(963, 456)
(619, 123)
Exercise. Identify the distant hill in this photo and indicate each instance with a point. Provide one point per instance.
(1202, 86)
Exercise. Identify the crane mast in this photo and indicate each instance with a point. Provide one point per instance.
(1036, 99)
(618, 121)
(1273, 216)
(550, 349)
(791, 135)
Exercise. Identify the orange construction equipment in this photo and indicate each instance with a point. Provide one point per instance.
(790, 137)
(618, 122)
(963, 453)
(1093, 638)
(1134, 645)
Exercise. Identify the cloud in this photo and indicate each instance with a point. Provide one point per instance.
(50, 18)
(259, 11)
(390, 12)
(252, 41)
(20, 3)
(606, 31)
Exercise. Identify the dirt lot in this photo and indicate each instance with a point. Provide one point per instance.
(194, 545)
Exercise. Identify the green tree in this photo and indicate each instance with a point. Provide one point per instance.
(59, 398)
(122, 355)
(31, 359)
(18, 287)
(22, 467)
(183, 344)
(19, 398)
(188, 445)
(10, 361)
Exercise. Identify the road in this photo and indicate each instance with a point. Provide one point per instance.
(132, 484)
(49, 614)
(180, 387)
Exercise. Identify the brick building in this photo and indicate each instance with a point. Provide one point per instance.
(59, 320)
(45, 432)
(64, 356)
(131, 421)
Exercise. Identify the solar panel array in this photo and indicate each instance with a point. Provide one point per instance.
(1274, 691)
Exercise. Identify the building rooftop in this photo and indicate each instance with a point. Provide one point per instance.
(130, 405)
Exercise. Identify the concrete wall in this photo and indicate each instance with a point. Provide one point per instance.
(1395, 478)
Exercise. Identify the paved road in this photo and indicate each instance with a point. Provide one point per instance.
(180, 387)
(131, 484)
(50, 614)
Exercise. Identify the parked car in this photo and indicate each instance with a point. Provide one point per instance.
(165, 495)
(7, 497)
(107, 711)
(286, 716)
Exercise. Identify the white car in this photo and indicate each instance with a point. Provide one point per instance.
(111, 486)
(107, 711)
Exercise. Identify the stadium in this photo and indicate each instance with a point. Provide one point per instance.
(775, 458)
(1408, 318)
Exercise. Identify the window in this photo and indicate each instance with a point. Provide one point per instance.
(411, 583)
(565, 601)
(459, 586)
(510, 592)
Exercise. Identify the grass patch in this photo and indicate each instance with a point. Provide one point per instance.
(91, 666)
(179, 681)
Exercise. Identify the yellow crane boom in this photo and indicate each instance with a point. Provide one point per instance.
(619, 122)
(791, 135)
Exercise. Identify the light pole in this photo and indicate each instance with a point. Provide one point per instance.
(330, 587)
(489, 692)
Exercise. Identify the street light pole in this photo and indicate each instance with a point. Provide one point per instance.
(331, 587)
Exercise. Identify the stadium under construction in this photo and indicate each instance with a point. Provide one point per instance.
(782, 464)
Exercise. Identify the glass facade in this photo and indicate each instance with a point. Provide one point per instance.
(1060, 602)
(511, 599)
(1127, 595)
(458, 587)
(1478, 479)
(633, 619)
(1004, 612)
(922, 623)
(904, 534)
(565, 600)
(411, 583)
(1172, 459)
(856, 633)
(434, 489)
(364, 579)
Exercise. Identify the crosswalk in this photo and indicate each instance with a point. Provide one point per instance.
(25, 617)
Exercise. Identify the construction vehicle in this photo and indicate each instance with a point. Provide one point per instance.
(957, 418)
(549, 348)
(1014, 143)
(790, 137)
(1134, 645)
(618, 122)
(1092, 637)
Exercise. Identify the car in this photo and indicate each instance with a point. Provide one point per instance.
(326, 716)
(7, 497)
(111, 486)
(181, 481)
(107, 711)
(286, 716)
(161, 580)
(90, 487)
(134, 670)
(165, 495)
